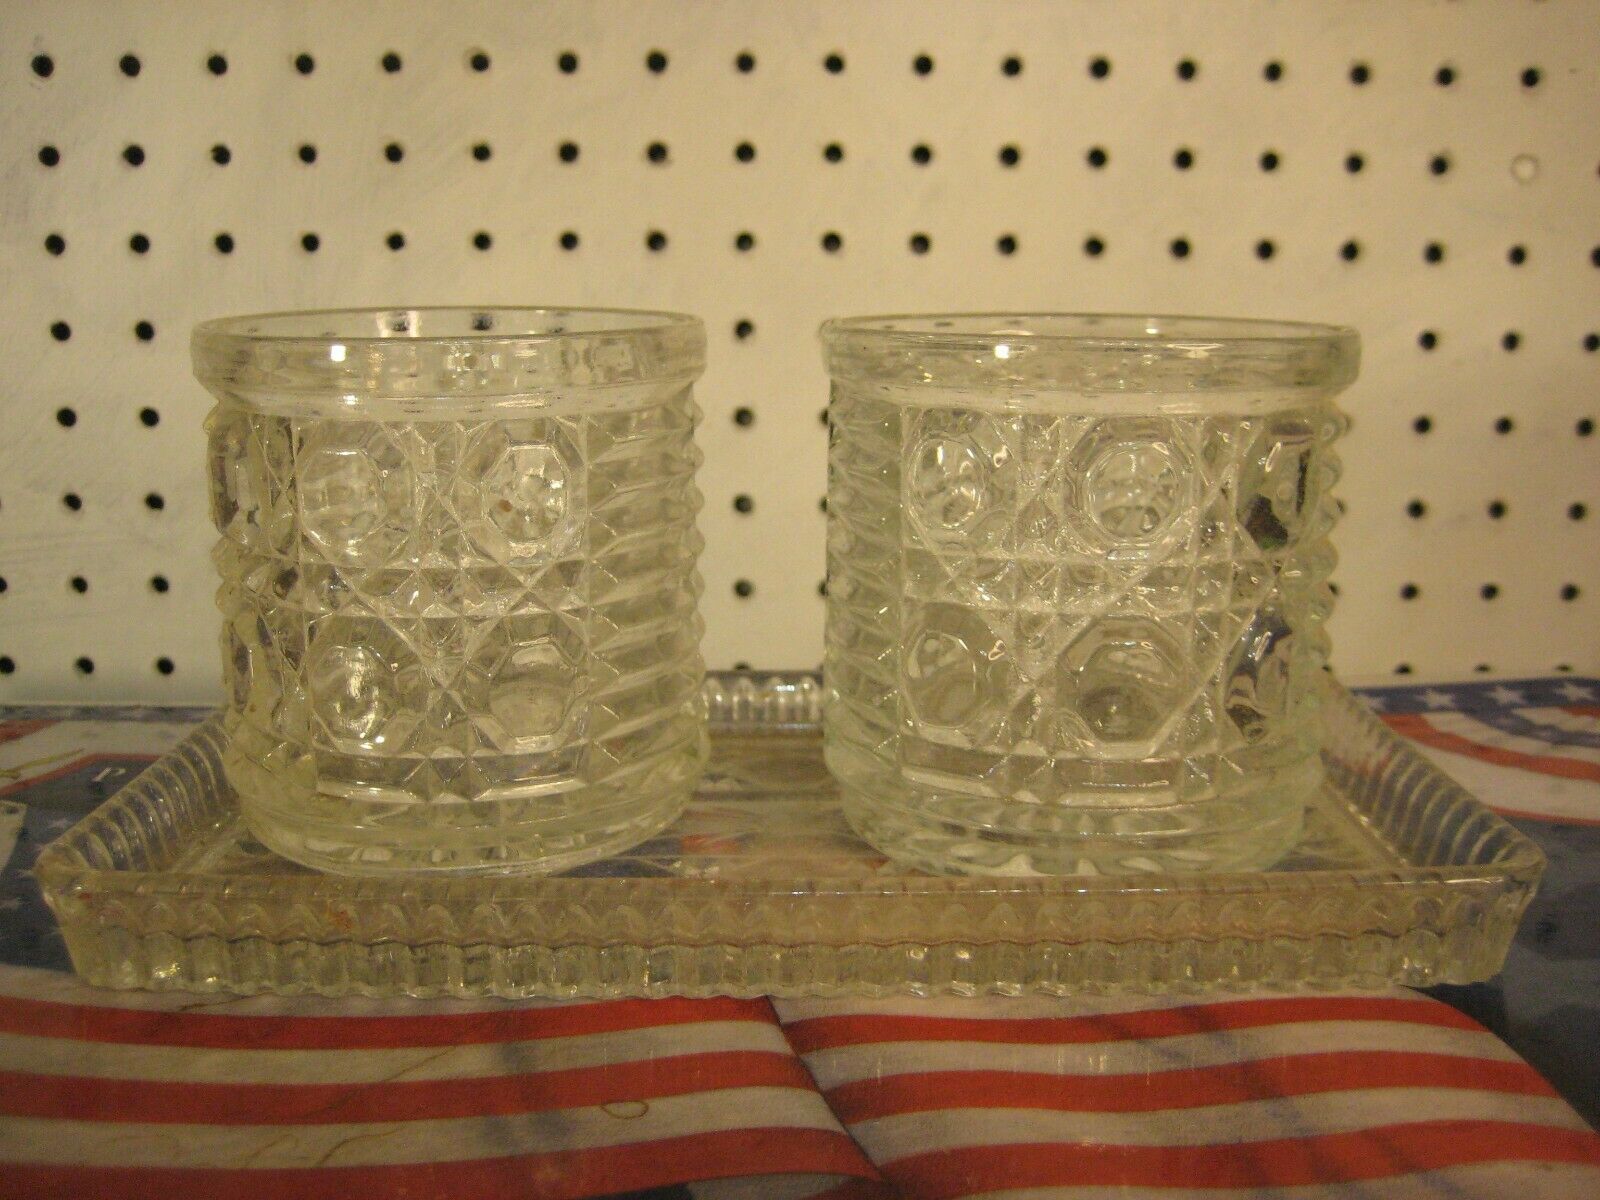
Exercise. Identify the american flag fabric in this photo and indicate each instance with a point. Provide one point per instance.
(1390, 1094)
(112, 1095)
(1248, 1096)
(1530, 748)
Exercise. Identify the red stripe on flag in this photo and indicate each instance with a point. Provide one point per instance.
(1343, 1158)
(1582, 710)
(1547, 818)
(10, 731)
(1190, 1087)
(822, 1033)
(1417, 727)
(561, 1175)
(226, 1031)
(74, 1098)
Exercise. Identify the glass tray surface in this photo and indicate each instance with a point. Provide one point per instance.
(762, 889)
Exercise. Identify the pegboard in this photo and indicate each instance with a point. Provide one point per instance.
(1426, 172)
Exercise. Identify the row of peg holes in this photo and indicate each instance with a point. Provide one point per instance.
(158, 583)
(1491, 591)
(831, 242)
(1416, 509)
(72, 502)
(1480, 668)
(744, 504)
(743, 588)
(660, 154)
(1523, 167)
(656, 61)
(84, 665)
(744, 329)
(1497, 509)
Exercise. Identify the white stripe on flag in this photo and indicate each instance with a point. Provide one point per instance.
(889, 1138)
(66, 742)
(185, 1064)
(1563, 720)
(1014, 1008)
(870, 1060)
(129, 1144)
(1516, 791)
(1480, 1181)
(1467, 726)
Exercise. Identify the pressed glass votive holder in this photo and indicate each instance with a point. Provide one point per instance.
(459, 593)
(1077, 580)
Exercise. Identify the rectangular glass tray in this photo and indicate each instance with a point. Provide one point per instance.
(761, 888)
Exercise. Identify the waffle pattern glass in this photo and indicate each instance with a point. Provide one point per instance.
(458, 582)
(1077, 582)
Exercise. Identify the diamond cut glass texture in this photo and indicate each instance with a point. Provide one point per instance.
(1077, 583)
(458, 582)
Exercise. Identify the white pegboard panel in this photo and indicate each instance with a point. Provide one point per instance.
(178, 128)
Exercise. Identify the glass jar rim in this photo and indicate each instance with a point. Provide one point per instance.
(1091, 352)
(351, 355)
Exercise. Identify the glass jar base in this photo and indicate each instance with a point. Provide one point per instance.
(945, 846)
(484, 851)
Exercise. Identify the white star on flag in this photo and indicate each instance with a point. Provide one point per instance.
(1509, 697)
(1576, 694)
(1434, 698)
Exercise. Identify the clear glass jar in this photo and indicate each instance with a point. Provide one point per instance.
(458, 581)
(1077, 579)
